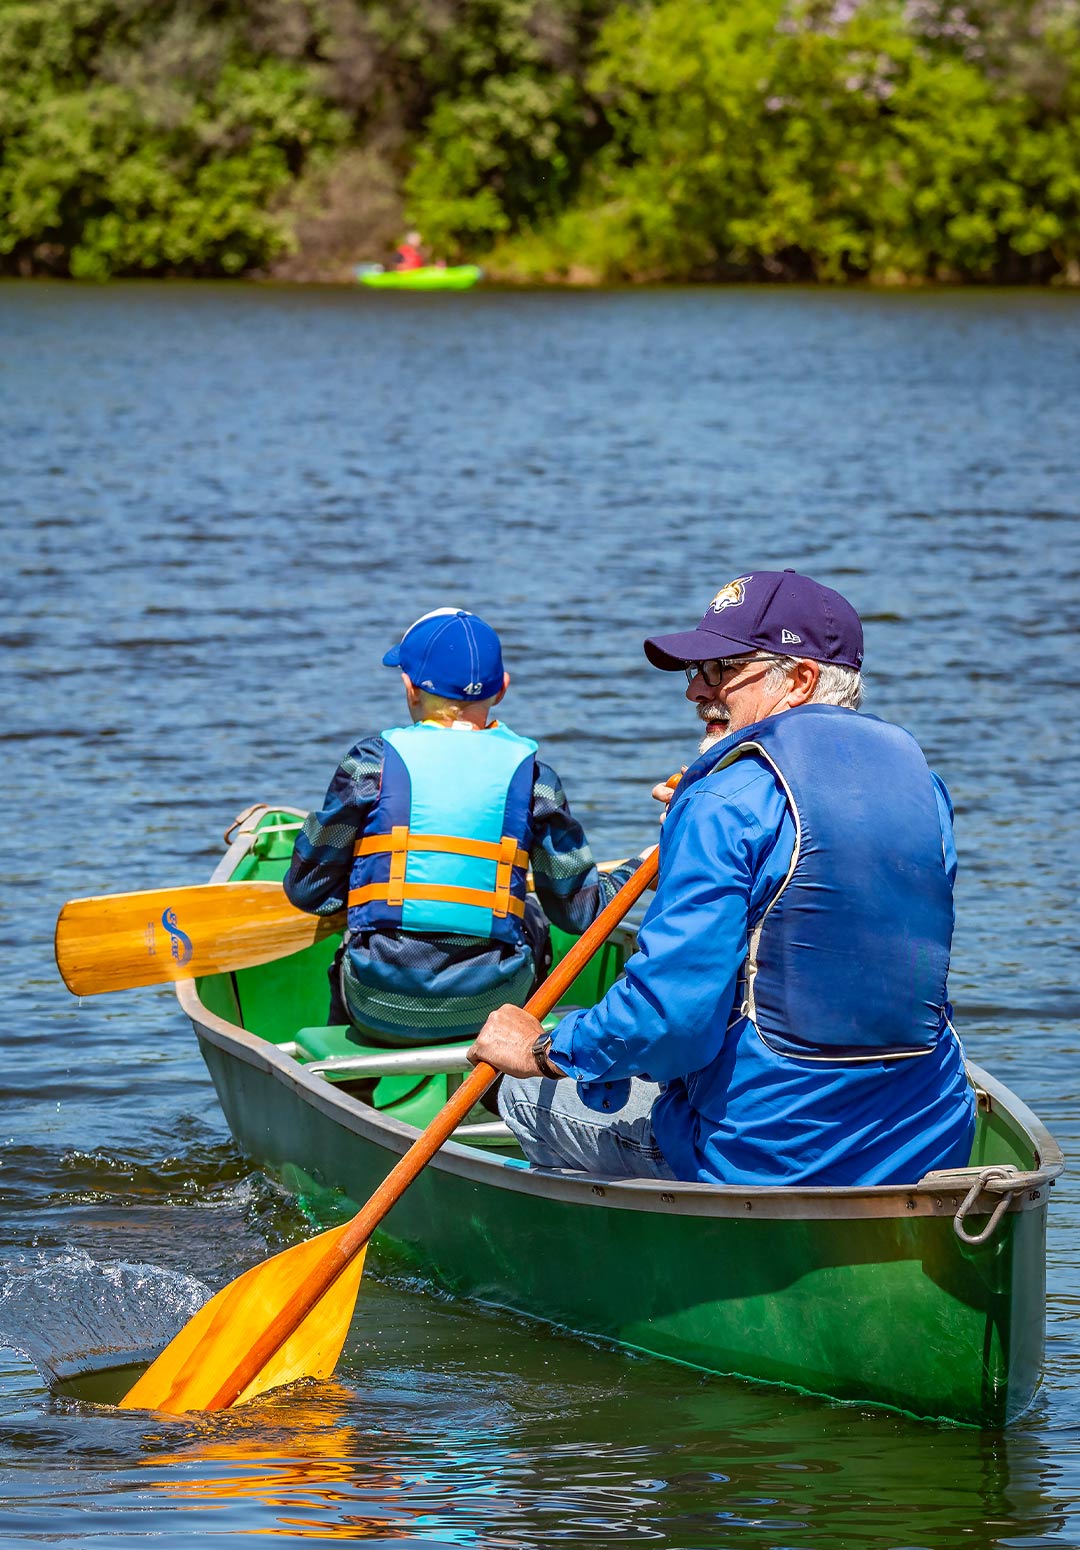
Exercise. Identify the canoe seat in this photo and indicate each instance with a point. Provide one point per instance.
(332, 1042)
(338, 1040)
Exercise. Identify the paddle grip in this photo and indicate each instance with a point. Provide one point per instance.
(423, 1149)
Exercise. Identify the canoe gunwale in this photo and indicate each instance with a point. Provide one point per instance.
(937, 1194)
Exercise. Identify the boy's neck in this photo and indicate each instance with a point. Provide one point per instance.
(469, 723)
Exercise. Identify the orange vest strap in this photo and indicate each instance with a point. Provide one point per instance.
(399, 859)
(400, 841)
(447, 895)
(504, 874)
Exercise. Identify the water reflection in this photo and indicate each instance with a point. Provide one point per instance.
(298, 1452)
(506, 1430)
(863, 1479)
(311, 1466)
(630, 1451)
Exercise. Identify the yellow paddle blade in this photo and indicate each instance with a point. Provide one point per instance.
(200, 1359)
(122, 940)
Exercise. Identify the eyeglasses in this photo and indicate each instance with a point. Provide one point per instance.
(713, 671)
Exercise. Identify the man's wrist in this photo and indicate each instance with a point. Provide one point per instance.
(541, 1058)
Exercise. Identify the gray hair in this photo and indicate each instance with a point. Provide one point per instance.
(836, 685)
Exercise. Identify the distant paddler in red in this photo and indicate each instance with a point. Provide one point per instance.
(410, 253)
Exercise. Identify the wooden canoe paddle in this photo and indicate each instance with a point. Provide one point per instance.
(122, 940)
(288, 1317)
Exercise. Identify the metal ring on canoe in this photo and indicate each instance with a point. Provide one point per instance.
(985, 1177)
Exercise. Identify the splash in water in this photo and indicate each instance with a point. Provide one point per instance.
(72, 1316)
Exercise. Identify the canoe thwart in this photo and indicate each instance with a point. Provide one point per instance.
(485, 1130)
(447, 1061)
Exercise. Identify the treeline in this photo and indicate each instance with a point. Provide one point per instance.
(589, 140)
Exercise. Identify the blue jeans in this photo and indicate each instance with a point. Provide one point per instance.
(555, 1129)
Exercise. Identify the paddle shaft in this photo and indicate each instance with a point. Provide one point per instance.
(444, 1124)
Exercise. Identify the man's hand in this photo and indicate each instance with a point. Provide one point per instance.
(666, 790)
(506, 1040)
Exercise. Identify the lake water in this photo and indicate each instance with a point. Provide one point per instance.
(220, 504)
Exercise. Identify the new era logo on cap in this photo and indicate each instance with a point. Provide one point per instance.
(789, 638)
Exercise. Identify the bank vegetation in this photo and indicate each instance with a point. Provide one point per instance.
(588, 141)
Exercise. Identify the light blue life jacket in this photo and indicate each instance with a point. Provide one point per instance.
(850, 958)
(446, 847)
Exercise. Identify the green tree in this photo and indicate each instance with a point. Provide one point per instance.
(507, 141)
(143, 140)
(817, 141)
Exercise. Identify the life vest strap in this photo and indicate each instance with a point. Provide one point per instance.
(374, 892)
(508, 853)
(399, 859)
(400, 842)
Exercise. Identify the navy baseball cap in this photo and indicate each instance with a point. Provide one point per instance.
(767, 610)
(450, 653)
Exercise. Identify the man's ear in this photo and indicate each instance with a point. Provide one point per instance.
(502, 691)
(804, 680)
(412, 693)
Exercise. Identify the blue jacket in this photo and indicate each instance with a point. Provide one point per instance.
(732, 1110)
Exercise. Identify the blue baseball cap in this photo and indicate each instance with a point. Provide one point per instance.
(450, 653)
(767, 610)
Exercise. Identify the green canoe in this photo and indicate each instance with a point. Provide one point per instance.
(875, 1295)
(458, 277)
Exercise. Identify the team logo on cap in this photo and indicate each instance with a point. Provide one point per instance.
(730, 596)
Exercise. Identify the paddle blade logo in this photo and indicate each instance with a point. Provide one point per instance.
(179, 941)
(730, 596)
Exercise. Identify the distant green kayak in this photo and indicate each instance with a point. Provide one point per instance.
(459, 277)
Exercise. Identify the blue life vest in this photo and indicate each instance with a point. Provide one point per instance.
(446, 847)
(850, 959)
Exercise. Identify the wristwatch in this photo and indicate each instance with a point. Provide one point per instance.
(540, 1050)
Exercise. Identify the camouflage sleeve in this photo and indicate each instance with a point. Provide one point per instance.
(318, 877)
(570, 889)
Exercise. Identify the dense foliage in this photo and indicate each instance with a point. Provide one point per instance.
(145, 138)
(589, 139)
(833, 140)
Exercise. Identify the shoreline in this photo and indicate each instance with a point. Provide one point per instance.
(1059, 285)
